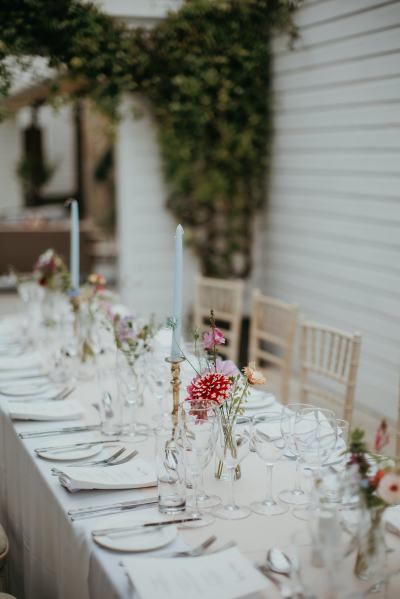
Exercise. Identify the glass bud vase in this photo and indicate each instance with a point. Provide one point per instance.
(221, 472)
(371, 550)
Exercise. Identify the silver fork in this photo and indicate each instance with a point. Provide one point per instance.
(195, 551)
(59, 396)
(104, 462)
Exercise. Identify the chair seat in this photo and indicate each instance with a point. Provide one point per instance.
(3, 543)
(6, 596)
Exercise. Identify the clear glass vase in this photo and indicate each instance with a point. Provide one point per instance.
(371, 552)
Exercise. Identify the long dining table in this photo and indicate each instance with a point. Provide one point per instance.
(53, 557)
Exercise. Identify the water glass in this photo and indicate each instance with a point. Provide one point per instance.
(170, 470)
(110, 401)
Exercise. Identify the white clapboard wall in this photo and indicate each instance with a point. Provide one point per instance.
(331, 239)
(10, 196)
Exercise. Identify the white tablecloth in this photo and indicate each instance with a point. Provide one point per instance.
(52, 557)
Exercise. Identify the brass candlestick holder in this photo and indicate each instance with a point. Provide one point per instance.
(176, 385)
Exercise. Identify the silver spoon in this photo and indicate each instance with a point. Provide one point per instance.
(279, 562)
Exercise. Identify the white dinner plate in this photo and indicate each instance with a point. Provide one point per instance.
(149, 539)
(259, 399)
(26, 389)
(72, 455)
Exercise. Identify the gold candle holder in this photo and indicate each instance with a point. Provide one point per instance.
(175, 384)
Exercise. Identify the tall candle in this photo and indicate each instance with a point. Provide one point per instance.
(74, 245)
(176, 352)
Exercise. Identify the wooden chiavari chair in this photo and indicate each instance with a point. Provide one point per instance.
(272, 329)
(333, 355)
(226, 299)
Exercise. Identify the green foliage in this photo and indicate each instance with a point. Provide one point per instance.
(206, 70)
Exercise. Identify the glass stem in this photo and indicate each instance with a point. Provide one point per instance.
(200, 487)
(231, 502)
(297, 485)
(268, 496)
(195, 485)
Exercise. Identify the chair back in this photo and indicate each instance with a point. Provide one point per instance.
(226, 299)
(333, 356)
(272, 329)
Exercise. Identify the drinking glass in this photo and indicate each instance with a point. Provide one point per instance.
(199, 427)
(110, 404)
(160, 384)
(233, 445)
(295, 496)
(268, 443)
(170, 469)
(315, 437)
(130, 388)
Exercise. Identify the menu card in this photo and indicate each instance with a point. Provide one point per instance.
(224, 575)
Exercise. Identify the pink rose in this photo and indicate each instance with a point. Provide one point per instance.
(213, 338)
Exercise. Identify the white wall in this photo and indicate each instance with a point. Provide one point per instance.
(10, 194)
(145, 228)
(332, 228)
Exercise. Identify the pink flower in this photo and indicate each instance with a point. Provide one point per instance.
(212, 386)
(226, 367)
(213, 338)
(389, 488)
(382, 437)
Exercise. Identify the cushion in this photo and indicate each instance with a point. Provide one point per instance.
(3, 542)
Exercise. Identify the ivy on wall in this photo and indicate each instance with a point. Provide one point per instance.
(206, 69)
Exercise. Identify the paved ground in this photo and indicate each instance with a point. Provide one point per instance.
(9, 302)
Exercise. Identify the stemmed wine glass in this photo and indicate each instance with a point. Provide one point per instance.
(199, 425)
(315, 437)
(268, 443)
(295, 496)
(233, 445)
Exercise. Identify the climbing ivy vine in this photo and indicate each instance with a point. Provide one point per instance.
(206, 68)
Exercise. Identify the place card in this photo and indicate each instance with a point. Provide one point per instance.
(224, 575)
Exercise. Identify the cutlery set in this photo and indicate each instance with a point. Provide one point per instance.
(63, 394)
(112, 460)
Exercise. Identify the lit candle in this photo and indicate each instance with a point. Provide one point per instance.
(74, 246)
(176, 352)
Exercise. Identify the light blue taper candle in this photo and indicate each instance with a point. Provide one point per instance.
(74, 245)
(176, 352)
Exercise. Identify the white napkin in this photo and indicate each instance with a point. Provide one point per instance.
(49, 410)
(133, 475)
(27, 361)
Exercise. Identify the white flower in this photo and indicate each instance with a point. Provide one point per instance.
(389, 488)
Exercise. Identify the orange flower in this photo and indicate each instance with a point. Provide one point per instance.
(255, 377)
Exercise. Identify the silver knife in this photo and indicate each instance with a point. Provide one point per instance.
(116, 530)
(107, 510)
(57, 448)
(60, 431)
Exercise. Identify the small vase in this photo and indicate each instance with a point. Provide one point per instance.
(221, 472)
(372, 549)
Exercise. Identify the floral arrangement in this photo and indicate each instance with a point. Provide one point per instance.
(379, 486)
(132, 337)
(51, 272)
(220, 381)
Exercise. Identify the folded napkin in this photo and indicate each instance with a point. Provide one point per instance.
(20, 363)
(133, 475)
(57, 410)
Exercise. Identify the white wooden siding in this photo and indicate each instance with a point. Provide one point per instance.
(331, 237)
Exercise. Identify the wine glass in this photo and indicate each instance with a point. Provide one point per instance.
(315, 437)
(268, 443)
(199, 428)
(294, 496)
(233, 445)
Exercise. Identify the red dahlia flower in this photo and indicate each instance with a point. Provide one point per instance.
(212, 386)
